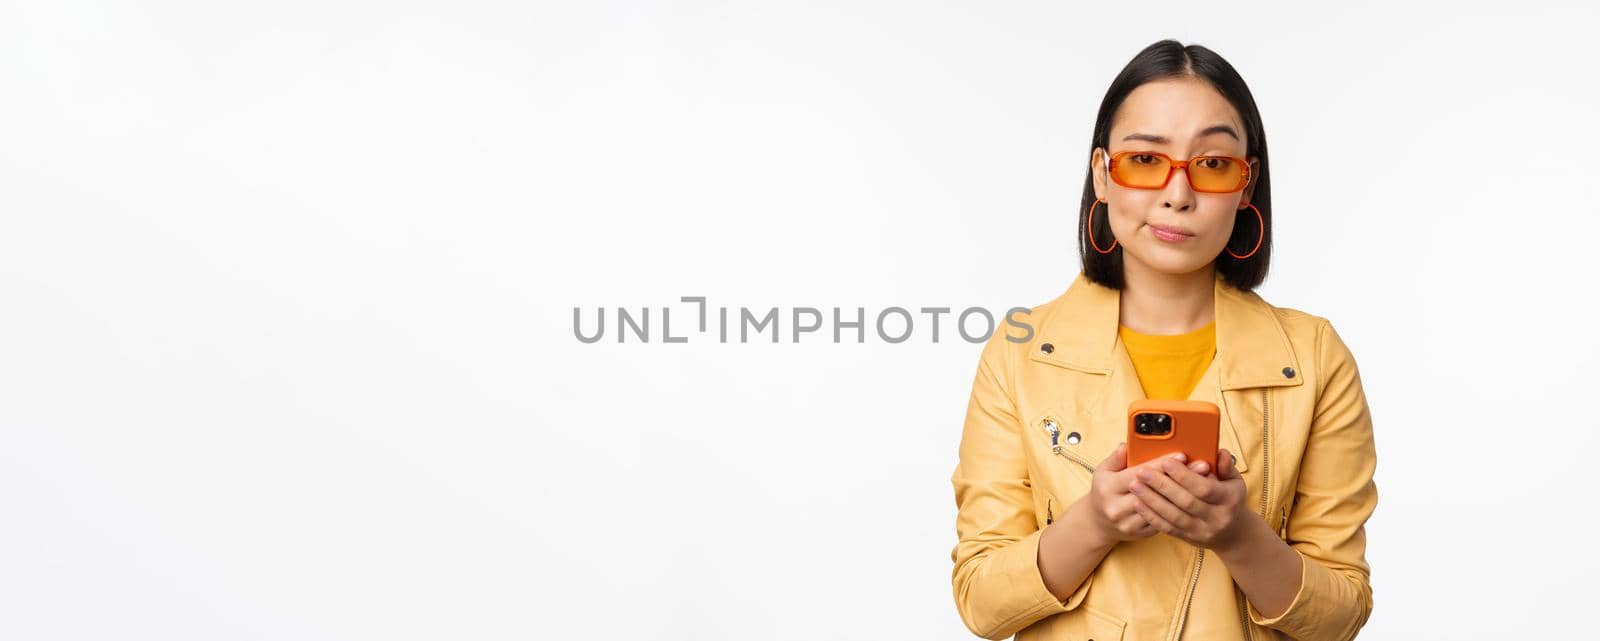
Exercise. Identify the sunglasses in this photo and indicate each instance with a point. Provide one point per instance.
(1152, 170)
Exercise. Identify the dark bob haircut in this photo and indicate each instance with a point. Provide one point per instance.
(1160, 61)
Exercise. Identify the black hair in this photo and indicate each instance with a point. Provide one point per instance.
(1170, 59)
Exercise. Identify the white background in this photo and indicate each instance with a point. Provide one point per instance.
(286, 349)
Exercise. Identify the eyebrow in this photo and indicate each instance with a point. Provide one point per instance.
(1162, 140)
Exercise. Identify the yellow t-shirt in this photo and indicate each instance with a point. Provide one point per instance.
(1170, 365)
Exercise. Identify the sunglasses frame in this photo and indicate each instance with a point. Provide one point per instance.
(1112, 160)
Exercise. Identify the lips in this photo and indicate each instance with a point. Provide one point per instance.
(1169, 233)
(1171, 230)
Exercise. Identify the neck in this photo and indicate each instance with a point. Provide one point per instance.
(1154, 302)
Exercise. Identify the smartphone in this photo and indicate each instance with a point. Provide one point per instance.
(1160, 427)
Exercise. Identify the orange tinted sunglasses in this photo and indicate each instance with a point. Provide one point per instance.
(1152, 169)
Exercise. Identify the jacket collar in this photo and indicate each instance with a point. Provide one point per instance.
(1252, 347)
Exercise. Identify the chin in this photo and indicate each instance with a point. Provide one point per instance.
(1172, 261)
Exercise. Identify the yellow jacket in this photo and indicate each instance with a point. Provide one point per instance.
(1293, 413)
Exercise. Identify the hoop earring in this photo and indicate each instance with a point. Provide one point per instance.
(1261, 233)
(1093, 244)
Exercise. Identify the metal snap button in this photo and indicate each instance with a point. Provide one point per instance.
(1288, 372)
(1047, 348)
(1073, 438)
(1233, 458)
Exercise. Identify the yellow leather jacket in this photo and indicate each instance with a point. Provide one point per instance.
(1293, 413)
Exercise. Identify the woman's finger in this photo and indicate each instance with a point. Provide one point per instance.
(1200, 487)
(1136, 525)
(1154, 519)
(1226, 469)
(1130, 473)
(1170, 489)
(1154, 501)
(1117, 460)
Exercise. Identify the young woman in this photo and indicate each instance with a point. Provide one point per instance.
(1058, 537)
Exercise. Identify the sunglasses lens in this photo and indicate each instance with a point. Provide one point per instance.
(1142, 170)
(1216, 174)
(1212, 174)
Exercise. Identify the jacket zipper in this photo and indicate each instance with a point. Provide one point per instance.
(1266, 477)
(1194, 581)
(1266, 453)
(1054, 430)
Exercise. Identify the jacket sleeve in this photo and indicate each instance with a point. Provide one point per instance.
(1333, 498)
(996, 580)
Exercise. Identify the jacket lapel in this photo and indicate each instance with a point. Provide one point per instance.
(1252, 351)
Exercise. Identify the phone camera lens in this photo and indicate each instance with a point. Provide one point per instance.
(1152, 424)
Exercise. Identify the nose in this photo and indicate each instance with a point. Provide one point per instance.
(1177, 194)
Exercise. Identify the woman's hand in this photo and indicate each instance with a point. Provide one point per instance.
(1112, 509)
(1188, 502)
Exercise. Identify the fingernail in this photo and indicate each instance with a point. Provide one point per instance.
(1136, 488)
(1181, 457)
(1146, 475)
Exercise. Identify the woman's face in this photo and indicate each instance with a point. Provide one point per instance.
(1181, 118)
